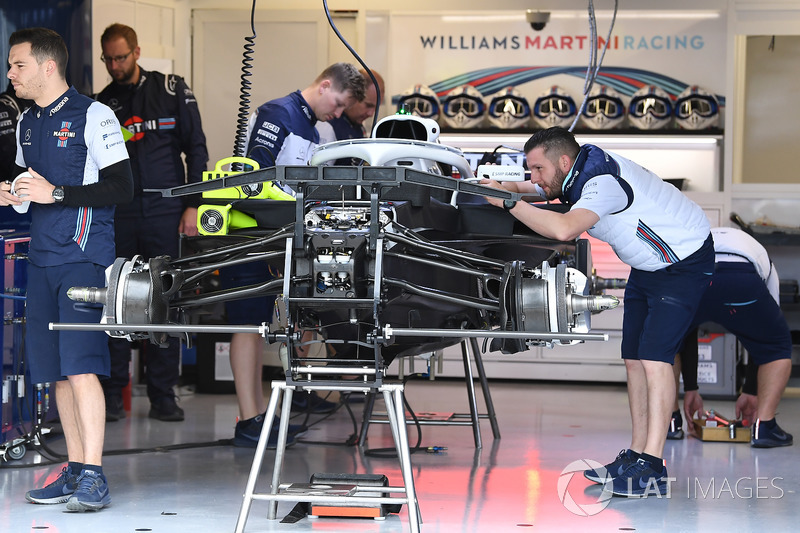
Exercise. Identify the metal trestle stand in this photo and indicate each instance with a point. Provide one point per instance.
(457, 419)
(346, 494)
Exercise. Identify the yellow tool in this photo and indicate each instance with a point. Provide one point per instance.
(262, 190)
(220, 219)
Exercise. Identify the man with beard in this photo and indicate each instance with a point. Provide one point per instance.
(666, 240)
(161, 113)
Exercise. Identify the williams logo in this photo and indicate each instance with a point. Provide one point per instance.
(64, 134)
(561, 42)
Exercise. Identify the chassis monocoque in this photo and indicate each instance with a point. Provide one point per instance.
(392, 274)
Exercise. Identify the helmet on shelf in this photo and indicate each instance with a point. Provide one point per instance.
(554, 107)
(604, 109)
(697, 109)
(508, 109)
(650, 108)
(463, 107)
(419, 100)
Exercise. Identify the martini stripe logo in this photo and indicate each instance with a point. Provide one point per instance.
(82, 227)
(624, 80)
(64, 134)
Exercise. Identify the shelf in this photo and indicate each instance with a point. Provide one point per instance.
(695, 157)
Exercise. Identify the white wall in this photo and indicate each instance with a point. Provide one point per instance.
(277, 68)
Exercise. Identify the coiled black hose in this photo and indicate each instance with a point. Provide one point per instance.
(240, 143)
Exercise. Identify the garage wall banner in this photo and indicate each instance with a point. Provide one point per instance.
(494, 50)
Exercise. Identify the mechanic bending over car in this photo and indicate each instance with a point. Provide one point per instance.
(350, 125)
(666, 240)
(281, 132)
(744, 299)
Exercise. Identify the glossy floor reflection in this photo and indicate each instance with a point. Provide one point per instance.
(516, 483)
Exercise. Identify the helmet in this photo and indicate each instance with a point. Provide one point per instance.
(554, 107)
(697, 109)
(650, 108)
(463, 107)
(508, 109)
(419, 100)
(604, 109)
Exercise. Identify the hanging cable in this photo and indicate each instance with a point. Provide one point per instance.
(594, 63)
(361, 62)
(240, 143)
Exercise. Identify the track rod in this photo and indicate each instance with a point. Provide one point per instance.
(389, 332)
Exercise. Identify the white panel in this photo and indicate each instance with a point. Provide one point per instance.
(770, 113)
(290, 51)
(155, 27)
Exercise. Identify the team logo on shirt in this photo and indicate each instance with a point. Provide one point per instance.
(58, 107)
(64, 134)
(138, 126)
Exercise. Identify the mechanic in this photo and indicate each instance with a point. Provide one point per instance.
(665, 238)
(73, 148)
(350, 125)
(744, 299)
(281, 132)
(162, 114)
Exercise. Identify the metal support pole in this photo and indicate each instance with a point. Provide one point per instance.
(258, 458)
(393, 396)
(473, 404)
(487, 395)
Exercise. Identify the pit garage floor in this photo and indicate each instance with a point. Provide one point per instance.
(516, 483)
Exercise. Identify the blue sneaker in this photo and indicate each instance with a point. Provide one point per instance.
(248, 431)
(769, 435)
(613, 469)
(639, 480)
(58, 491)
(92, 493)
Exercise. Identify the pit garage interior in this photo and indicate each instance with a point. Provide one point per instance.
(496, 444)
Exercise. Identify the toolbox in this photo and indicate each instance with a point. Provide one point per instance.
(720, 433)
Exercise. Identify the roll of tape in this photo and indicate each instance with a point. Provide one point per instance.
(23, 208)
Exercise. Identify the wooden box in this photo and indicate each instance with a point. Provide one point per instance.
(720, 433)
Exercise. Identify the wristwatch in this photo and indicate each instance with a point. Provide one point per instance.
(58, 194)
(508, 205)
